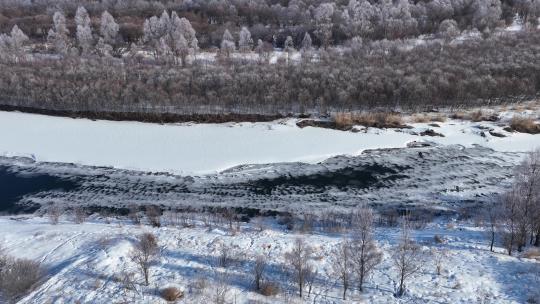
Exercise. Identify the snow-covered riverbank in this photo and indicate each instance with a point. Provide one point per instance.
(207, 148)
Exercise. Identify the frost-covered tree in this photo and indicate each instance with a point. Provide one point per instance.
(227, 44)
(181, 46)
(145, 251)
(134, 54)
(245, 42)
(528, 10)
(527, 181)
(11, 46)
(108, 28)
(487, 14)
(84, 30)
(358, 17)
(18, 39)
(5, 43)
(58, 35)
(264, 50)
(306, 43)
(82, 17)
(323, 22)
(288, 46)
(103, 48)
(170, 35)
(153, 31)
(448, 29)
(408, 257)
(299, 259)
(342, 266)
(365, 254)
(440, 9)
(186, 29)
(396, 19)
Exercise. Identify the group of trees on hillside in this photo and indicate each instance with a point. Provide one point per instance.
(381, 74)
(328, 22)
(85, 61)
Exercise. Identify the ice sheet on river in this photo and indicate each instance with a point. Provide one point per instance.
(439, 176)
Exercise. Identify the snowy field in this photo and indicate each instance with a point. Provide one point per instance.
(86, 262)
(209, 148)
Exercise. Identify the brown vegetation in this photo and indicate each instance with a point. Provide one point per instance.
(428, 117)
(153, 213)
(269, 289)
(345, 121)
(171, 294)
(524, 125)
(532, 253)
(18, 276)
(475, 116)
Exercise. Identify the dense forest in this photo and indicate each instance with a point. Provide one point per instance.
(266, 56)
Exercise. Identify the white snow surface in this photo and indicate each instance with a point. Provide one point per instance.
(85, 263)
(207, 148)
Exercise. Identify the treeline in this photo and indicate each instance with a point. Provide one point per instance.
(368, 75)
(272, 21)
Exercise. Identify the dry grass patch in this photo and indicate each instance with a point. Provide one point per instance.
(374, 120)
(438, 118)
(269, 289)
(425, 118)
(18, 276)
(524, 125)
(171, 294)
(475, 116)
(420, 118)
(532, 253)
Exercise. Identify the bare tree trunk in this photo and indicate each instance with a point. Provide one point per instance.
(401, 283)
(492, 240)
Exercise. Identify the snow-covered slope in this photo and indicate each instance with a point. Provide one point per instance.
(87, 264)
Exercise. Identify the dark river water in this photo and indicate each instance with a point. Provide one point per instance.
(14, 186)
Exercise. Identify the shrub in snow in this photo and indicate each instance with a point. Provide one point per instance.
(365, 253)
(79, 215)
(153, 213)
(259, 267)
(439, 256)
(307, 223)
(226, 257)
(133, 215)
(53, 213)
(221, 287)
(17, 276)
(269, 289)
(258, 223)
(171, 294)
(286, 220)
(198, 285)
